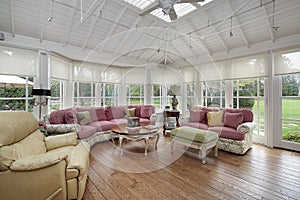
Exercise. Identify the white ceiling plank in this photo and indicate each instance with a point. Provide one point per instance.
(141, 39)
(98, 11)
(239, 25)
(43, 20)
(127, 34)
(12, 17)
(71, 13)
(112, 29)
(263, 8)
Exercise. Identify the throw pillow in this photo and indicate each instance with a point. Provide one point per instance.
(129, 112)
(233, 120)
(215, 118)
(57, 117)
(84, 118)
(146, 112)
(197, 115)
(70, 117)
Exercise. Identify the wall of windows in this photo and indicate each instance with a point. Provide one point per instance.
(109, 94)
(135, 94)
(249, 93)
(56, 99)
(84, 94)
(214, 94)
(157, 96)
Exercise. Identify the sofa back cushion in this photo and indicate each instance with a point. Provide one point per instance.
(115, 112)
(247, 114)
(233, 120)
(197, 115)
(100, 113)
(15, 126)
(57, 117)
(147, 111)
(33, 144)
(91, 110)
(70, 116)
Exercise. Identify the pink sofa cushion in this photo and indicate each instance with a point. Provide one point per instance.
(197, 115)
(100, 113)
(86, 131)
(145, 121)
(57, 117)
(115, 112)
(91, 110)
(146, 111)
(70, 116)
(103, 125)
(119, 121)
(233, 120)
(227, 132)
(247, 114)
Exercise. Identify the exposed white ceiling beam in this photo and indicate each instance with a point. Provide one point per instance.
(156, 52)
(239, 25)
(43, 20)
(192, 25)
(263, 8)
(69, 23)
(112, 29)
(141, 39)
(12, 17)
(98, 11)
(127, 34)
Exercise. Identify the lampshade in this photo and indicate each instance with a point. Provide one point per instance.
(41, 92)
(174, 90)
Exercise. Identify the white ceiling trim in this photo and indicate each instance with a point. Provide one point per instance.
(43, 21)
(263, 8)
(12, 17)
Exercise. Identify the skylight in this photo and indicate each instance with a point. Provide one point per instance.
(181, 10)
(204, 2)
(141, 4)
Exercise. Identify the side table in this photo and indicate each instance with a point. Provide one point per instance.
(171, 113)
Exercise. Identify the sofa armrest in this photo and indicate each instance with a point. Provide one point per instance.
(246, 127)
(57, 141)
(35, 162)
(79, 158)
(62, 128)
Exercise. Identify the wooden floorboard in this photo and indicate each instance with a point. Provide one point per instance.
(263, 173)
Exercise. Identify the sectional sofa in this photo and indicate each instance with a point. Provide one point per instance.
(234, 126)
(93, 124)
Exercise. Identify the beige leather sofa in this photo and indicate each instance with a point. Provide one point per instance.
(33, 166)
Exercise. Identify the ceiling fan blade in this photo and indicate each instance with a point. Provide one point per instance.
(150, 8)
(172, 14)
(190, 1)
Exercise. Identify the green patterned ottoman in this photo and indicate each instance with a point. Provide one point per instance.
(204, 140)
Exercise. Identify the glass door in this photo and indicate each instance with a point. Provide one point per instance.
(290, 118)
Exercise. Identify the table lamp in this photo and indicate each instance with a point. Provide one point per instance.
(173, 91)
(40, 93)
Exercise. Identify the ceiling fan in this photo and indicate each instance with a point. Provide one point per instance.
(167, 7)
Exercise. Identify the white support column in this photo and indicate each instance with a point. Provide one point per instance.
(98, 94)
(197, 89)
(68, 90)
(229, 94)
(147, 87)
(183, 100)
(122, 91)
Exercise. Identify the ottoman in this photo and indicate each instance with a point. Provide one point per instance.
(204, 140)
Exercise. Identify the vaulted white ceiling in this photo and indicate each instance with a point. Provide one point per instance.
(113, 31)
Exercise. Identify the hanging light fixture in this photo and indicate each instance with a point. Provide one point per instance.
(231, 34)
(275, 28)
(51, 17)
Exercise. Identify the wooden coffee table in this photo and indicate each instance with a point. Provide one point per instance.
(122, 133)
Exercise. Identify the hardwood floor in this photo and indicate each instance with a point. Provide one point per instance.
(262, 173)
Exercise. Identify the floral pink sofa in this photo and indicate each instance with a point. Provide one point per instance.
(234, 126)
(93, 124)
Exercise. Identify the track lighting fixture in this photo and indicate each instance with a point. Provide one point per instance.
(231, 34)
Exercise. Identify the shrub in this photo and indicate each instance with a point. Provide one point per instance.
(292, 136)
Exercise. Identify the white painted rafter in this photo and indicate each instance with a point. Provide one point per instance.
(98, 11)
(12, 17)
(112, 29)
(239, 24)
(127, 34)
(141, 39)
(264, 10)
(43, 21)
(69, 24)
